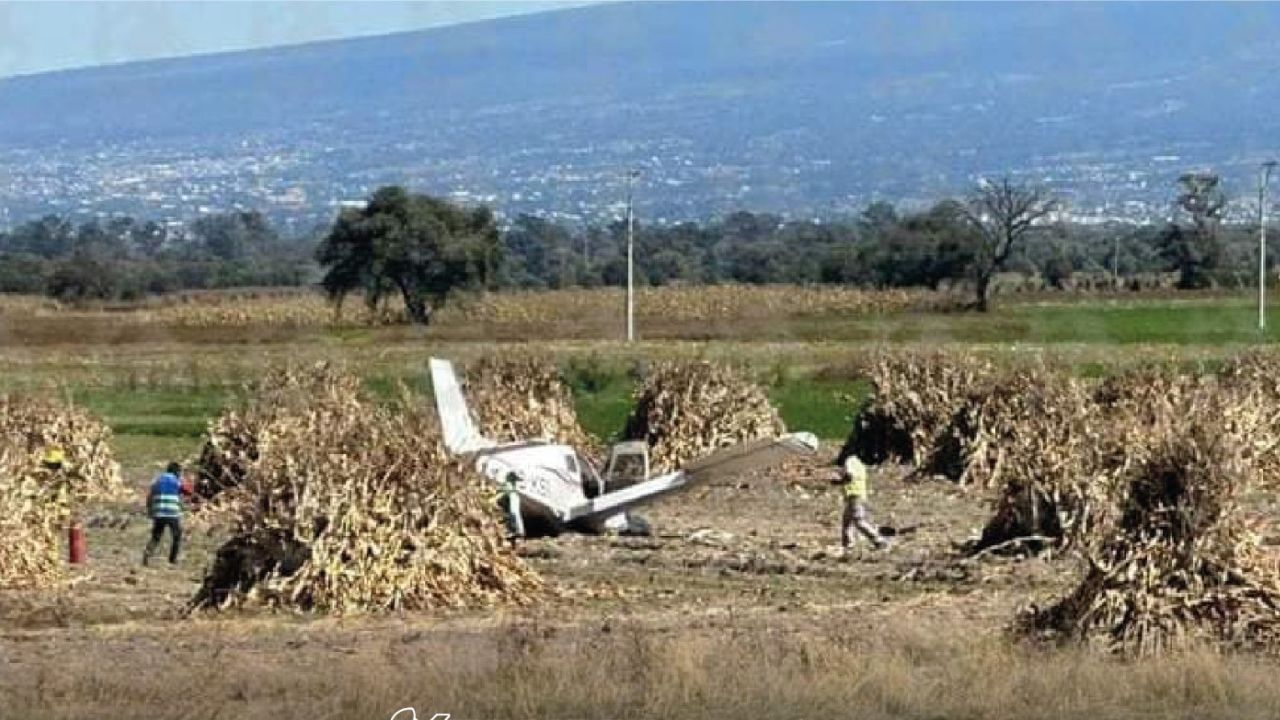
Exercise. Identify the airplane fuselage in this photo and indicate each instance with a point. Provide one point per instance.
(552, 480)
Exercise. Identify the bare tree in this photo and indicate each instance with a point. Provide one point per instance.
(1002, 213)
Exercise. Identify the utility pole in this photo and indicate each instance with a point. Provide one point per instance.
(631, 290)
(1264, 177)
(1115, 264)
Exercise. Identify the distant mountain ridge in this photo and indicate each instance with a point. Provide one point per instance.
(797, 107)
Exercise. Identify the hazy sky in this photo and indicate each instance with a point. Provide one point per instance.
(36, 36)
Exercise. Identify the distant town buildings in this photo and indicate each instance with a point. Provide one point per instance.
(304, 185)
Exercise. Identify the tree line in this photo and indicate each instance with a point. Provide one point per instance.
(425, 247)
(422, 248)
(886, 246)
(123, 258)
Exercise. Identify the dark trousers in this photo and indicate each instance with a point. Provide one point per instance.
(175, 536)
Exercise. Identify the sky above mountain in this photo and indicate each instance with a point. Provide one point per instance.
(44, 36)
(807, 108)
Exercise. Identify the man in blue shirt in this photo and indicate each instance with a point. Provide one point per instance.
(164, 506)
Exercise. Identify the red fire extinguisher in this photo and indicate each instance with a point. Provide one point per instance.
(77, 548)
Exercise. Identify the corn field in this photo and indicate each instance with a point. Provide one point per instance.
(1140, 475)
(915, 397)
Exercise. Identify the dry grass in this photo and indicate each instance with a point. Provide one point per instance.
(233, 441)
(1037, 438)
(311, 309)
(1143, 476)
(712, 313)
(237, 318)
(528, 671)
(700, 632)
(693, 304)
(705, 628)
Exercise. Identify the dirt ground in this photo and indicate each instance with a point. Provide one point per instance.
(758, 554)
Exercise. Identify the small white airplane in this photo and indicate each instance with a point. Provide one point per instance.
(554, 488)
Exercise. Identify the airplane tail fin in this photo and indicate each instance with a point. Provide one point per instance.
(460, 433)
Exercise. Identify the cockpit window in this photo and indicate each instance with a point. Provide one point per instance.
(629, 467)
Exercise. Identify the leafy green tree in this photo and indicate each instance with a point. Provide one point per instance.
(926, 248)
(1194, 249)
(49, 237)
(530, 243)
(920, 249)
(668, 266)
(747, 227)
(140, 239)
(878, 219)
(23, 273)
(1058, 269)
(422, 246)
(92, 273)
(953, 240)
(233, 235)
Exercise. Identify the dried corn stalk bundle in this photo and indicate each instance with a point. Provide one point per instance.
(36, 501)
(35, 505)
(1255, 370)
(1132, 402)
(234, 438)
(524, 397)
(687, 410)
(355, 507)
(915, 397)
(1144, 386)
(31, 426)
(1037, 438)
(1254, 379)
(974, 448)
(1179, 567)
(1063, 461)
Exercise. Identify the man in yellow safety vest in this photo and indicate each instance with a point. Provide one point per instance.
(54, 458)
(853, 479)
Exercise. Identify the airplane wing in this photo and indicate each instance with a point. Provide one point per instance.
(749, 456)
(728, 462)
(459, 430)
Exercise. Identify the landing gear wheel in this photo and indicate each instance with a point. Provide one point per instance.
(637, 526)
